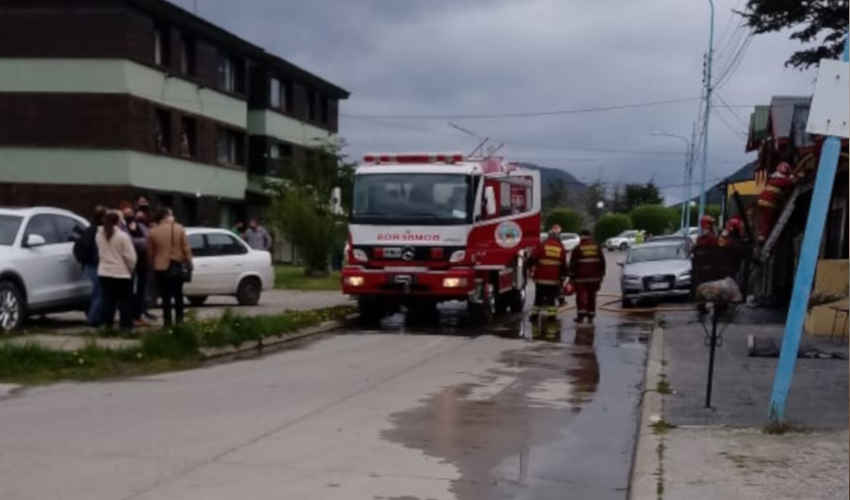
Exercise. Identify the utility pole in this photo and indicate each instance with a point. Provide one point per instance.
(707, 77)
(690, 175)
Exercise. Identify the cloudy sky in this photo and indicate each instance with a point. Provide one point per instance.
(459, 59)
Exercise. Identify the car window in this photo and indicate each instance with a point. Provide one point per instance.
(196, 243)
(69, 229)
(43, 226)
(9, 225)
(224, 244)
(660, 252)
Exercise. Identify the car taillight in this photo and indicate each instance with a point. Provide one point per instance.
(437, 253)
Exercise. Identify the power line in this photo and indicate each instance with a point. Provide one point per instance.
(729, 125)
(738, 117)
(522, 114)
(735, 63)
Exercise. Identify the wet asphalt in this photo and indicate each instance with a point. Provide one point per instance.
(562, 427)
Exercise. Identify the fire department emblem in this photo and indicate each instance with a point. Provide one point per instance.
(508, 234)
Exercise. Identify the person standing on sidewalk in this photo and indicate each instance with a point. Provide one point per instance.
(116, 261)
(587, 268)
(169, 251)
(86, 253)
(138, 230)
(257, 237)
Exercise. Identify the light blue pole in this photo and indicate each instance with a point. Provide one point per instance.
(707, 112)
(691, 161)
(805, 274)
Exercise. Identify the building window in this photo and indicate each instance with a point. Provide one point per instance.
(279, 151)
(188, 137)
(158, 47)
(274, 151)
(227, 74)
(285, 97)
(229, 147)
(162, 131)
(187, 56)
(274, 93)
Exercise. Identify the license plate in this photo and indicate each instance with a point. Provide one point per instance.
(403, 279)
(392, 253)
(659, 286)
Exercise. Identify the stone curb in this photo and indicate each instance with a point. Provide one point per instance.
(258, 345)
(646, 467)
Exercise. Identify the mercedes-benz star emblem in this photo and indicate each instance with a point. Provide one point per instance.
(408, 254)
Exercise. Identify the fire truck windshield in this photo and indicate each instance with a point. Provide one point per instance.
(422, 199)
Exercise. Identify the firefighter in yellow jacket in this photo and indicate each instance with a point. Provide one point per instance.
(549, 260)
(587, 268)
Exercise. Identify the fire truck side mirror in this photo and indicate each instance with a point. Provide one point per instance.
(490, 201)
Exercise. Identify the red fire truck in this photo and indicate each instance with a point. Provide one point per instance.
(433, 227)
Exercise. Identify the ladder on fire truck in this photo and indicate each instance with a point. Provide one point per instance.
(787, 210)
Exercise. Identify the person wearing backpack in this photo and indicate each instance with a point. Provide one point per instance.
(86, 253)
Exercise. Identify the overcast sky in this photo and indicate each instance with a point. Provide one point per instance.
(467, 57)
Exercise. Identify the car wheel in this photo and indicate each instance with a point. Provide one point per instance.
(12, 307)
(248, 293)
(624, 246)
(198, 300)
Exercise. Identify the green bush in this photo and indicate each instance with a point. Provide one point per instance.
(569, 220)
(611, 225)
(654, 219)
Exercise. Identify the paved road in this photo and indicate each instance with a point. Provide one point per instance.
(391, 412)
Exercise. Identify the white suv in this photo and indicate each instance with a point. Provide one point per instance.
(38, 272)
(623, 240)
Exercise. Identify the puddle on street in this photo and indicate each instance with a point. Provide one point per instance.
(556, 419)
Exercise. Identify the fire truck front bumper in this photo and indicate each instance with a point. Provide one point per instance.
(451, 284)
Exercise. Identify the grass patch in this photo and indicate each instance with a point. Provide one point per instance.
(663, 387)
(293, 278)
(163, 350)
(662, 427)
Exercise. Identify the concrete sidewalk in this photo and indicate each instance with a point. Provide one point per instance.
(722, 452)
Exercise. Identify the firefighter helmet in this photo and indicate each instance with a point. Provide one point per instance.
(706, 221)
(784, 168)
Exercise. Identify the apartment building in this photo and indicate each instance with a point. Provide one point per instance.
(104, 100)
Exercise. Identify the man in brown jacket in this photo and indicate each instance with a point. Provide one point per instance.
(168, 248)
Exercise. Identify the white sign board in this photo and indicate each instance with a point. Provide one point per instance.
(830, 111)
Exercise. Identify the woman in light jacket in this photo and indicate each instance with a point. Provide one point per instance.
(117, 259)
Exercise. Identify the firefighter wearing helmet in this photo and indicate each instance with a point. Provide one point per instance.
(587, 268)
(549, 260)
(772, 199)
(732, 234)
(707, 237)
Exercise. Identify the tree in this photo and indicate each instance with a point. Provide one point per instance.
(611, 225)
(821, 21)
(570, 220)
(301, 207)
(640, 194)
(654, 219)
(556, 194)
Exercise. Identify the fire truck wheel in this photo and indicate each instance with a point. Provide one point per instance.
(482, 313)
(516, 298)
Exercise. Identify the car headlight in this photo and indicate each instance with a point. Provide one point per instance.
(354, 280)
(457, 256)
(631, 277)
(360, 255)
(454, 282)
(684, 276)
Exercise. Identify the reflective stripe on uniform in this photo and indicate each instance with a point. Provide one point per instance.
(765, 203)
(589, 248)
(774, 189)
(547, 282)
(550, 262)
(552, 251)
(589, 260)
(587, 280)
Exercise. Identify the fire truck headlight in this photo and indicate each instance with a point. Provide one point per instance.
(360, 255)
(354, 281)
(457, 256)
(454, 282)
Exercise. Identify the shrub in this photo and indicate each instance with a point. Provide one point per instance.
(611, 225)
(654, 219)
(569, 220)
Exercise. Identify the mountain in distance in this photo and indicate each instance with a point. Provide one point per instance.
(552, 178)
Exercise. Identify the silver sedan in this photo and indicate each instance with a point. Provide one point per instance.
(656, 270)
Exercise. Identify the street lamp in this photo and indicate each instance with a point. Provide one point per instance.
(686, 188)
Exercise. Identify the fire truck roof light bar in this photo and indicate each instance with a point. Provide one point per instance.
(403, 158)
